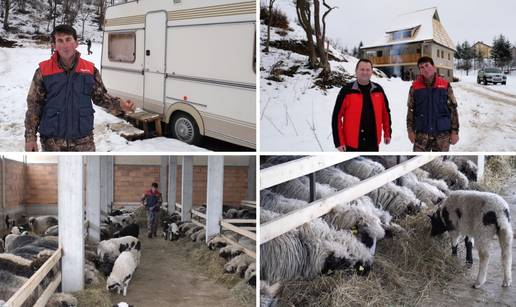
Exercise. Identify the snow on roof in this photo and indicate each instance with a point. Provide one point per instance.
(425, 24)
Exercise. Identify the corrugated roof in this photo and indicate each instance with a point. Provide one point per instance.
(427, 26)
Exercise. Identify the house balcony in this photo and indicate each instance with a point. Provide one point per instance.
(395, 59)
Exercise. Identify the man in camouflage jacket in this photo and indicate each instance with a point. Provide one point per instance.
(59, 101)
(432, 117)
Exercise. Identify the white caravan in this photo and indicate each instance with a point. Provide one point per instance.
(191, 61)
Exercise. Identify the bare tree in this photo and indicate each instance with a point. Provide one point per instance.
(84, 13)
(271, 4)
(101, 11)
(320, 36)
(52, 13)
(304, 15)
(7, 7)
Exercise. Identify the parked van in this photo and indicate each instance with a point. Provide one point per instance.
(191, 61)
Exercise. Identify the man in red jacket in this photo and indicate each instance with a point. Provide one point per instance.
(152, 200)
(361, 112)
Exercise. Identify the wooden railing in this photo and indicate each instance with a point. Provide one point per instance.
(229, 224)
(395, 59)
(313, 210)
(32, 283)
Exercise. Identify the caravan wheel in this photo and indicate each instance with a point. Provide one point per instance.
(184, 128)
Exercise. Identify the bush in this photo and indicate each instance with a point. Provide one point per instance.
(279, 19)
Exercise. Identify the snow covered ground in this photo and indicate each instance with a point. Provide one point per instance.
(17, 66)
(295, 116)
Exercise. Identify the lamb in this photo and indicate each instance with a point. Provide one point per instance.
(192, 230)
(310, 250)
(477, 215)
(39, 224)
(129, 230)
(448, 171)
(198, 235)
(424, 176)
(216, 242)
(171, 232)
(122, 273)
(239, 264)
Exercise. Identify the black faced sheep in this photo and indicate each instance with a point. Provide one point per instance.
(171, 232)
(310, 250)
(477, 215)
(129, 230)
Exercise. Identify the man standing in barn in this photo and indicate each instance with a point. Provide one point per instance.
(432, 117)
(152, 201)
(360, 113)
(59, 101)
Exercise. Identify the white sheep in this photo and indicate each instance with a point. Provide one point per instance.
(361, 167)
(425, 192)
(448, 171)
(111, 249)
(424, 176)
(310, 250)
(123, 271)
(477, 215)
(465, 166)
(239, 264)
(39, 224)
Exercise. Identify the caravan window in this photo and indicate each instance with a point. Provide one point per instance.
(122, 47)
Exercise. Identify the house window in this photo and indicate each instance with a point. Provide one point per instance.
(401, 34)
(122, 47)
(379, 53)
(449, 56)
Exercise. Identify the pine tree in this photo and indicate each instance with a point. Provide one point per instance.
(501, 52)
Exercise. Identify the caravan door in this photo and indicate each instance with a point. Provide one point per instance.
(154, 71)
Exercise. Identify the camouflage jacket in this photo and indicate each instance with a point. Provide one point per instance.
(452, 105)
(37, 97)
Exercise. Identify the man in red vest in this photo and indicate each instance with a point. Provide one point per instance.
(152, 200)
(432, 117)
(361, 112)
(59, 101)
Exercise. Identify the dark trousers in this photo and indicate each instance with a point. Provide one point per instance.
(369, 147)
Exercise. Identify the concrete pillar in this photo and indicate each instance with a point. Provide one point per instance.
(70, 182)
(104, 178)
(480, 167)
(93, 197)
(110, 182)
(172, 183)
(163, 177)
(251, 179)
(186, 188)
(215, 190)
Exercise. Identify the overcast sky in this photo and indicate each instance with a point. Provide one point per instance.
(367, 20)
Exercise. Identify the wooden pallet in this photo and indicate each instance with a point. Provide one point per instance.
(143, 118)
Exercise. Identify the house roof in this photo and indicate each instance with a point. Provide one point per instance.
(481, 43)
(426, 24)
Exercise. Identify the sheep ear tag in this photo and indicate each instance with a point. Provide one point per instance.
(354, 230)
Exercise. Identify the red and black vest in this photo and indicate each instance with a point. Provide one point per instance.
(68, 111)
(152, 199)
(348, 110)
(431, 112)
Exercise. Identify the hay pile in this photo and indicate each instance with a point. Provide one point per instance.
(209, 262)
(498, 170)
(96, 296)
(405, 271)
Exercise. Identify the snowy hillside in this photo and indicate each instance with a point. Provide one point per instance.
(296, 115)
(17, 67)
(32, 26)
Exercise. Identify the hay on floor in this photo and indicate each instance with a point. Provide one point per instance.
(404, 272)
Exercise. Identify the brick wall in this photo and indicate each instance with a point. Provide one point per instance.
(41, 184)
(132, 180)
(14, 183)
